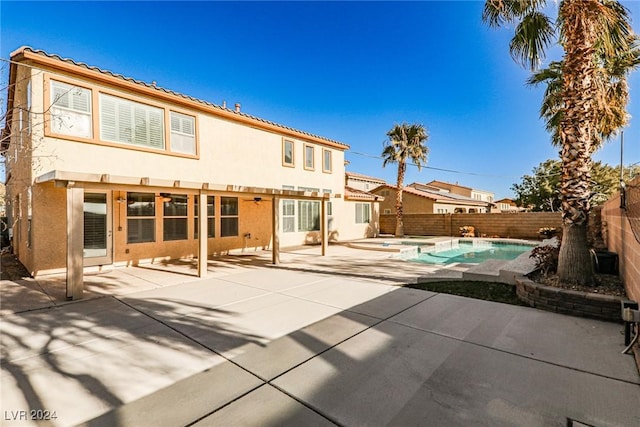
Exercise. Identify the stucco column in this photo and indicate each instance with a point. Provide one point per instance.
(75, 241)
(324, 226)
(203, 234)
(275, 224)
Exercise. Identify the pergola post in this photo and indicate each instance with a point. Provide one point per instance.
(203, 234)
(324, 226)
(75, 241)
(275, 225)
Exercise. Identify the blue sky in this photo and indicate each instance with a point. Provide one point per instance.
(344, 70)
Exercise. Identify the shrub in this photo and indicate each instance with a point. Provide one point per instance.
(546, 258)
(468, 231)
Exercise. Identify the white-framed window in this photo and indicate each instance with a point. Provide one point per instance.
(388, 211)
(308, 157)
(326, 161)
(288, 216)
(288, 158)
(183, 133)
(211, 216)
(309, 189)
(70, 112)
(308, 215)
(175, 216)
(141, 217)
(130, 122)
(228, 216)
(363, 213)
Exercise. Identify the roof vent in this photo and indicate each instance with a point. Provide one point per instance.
(237, 107)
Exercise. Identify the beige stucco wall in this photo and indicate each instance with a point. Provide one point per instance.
(229, 153)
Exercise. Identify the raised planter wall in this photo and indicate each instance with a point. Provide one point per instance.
(522, 225)
(566, 301)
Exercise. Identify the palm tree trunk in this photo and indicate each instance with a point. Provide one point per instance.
(577, 132)
(400, 184)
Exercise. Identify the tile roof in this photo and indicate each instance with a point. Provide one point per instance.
(168, 91)
(354, 193)
(439, 197)
(361, 176)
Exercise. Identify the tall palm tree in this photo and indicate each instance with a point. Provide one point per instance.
(587, 30)
(406, 142)
(612, 113)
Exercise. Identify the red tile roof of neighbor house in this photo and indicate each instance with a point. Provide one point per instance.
(442, 198)
(364, 177)
(354, 193)
(443, 184)
(26, 52)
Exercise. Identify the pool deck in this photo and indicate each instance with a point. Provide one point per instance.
(313, 341)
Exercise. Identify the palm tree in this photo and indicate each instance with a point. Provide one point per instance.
(406, 142)
(612, 113)
(587, 30)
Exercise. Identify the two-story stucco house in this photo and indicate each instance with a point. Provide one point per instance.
(107, 170)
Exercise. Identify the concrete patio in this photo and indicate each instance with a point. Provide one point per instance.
(317, 341)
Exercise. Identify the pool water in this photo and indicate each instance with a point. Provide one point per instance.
(473, 254)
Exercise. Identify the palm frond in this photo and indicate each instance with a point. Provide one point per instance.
(532, 37)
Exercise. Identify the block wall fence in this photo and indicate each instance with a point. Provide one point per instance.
(522, 225)
(616, 224)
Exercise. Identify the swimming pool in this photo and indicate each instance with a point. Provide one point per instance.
(470, 253)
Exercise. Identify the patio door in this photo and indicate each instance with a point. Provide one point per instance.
(97, 228)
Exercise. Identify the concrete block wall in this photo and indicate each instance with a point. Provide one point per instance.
(523, 225)
(621, 239)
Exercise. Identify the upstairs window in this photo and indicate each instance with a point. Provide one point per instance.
(326, 160)
(308, 157)
(183, 133)
(131, 122)
(70, 111)
(287, 153)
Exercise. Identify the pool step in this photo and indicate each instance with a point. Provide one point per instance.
(488, 271)
(502, 271)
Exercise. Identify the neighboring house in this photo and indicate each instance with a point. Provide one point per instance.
(363, 182)
(507, 205)
(418, 198)
(473, 193)
(107, 170)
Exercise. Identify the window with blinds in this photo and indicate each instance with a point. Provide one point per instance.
(141, 217)
(174, 221)
(211, 220)
(228, 216)
(130, 122)
(183, 133)
(308, 215)
(70, 112)
(288, 216)
(363, 213)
